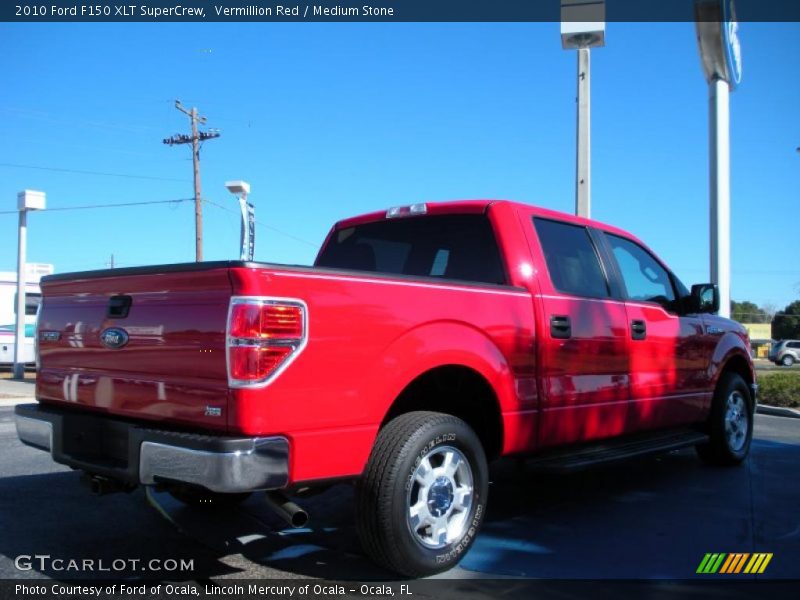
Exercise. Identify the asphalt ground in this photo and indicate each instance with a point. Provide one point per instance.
(654, 517)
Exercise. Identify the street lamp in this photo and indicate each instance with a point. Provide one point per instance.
(247, 240)
(583, 27)
(26, 200)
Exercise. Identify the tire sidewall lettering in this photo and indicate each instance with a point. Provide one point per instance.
(466, 541)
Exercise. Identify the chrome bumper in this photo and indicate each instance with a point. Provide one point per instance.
(263, 466)
(34, 432)
(135, 454)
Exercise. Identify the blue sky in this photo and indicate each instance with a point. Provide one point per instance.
(329, 120)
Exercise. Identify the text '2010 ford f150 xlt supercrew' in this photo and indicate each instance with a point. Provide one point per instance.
(425, 341)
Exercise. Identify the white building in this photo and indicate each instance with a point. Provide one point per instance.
(8, 312)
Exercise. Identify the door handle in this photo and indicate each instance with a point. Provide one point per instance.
(638, 330)
(560, 327)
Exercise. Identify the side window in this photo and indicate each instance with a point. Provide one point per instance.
(644, 277)
(795, 345)
(571, 259)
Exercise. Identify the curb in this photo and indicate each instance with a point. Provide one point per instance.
(778, 411)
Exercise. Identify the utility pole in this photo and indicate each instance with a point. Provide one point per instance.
(195, 139)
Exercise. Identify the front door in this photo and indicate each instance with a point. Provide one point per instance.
(668, 354)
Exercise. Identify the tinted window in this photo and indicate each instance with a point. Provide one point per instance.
(447, 246)
(793, 345)
(644, 277)
(571, 259)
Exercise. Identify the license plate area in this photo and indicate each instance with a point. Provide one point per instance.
(96, 441)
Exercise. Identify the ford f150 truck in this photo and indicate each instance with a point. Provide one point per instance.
(424, 342)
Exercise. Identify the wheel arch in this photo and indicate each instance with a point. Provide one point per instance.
(737, 363)
(457, 390)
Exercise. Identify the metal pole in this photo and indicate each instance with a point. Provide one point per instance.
(198, 207)
(583, 199)
(243, 236)
(720, 191)
(19, 333)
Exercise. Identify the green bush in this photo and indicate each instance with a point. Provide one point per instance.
(779, 389)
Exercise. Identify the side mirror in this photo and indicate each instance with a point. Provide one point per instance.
(705, 298)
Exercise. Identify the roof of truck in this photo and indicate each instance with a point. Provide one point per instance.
(479, 206)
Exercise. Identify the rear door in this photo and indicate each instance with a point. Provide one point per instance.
(146, 344)
(669, 351)
(583, 348)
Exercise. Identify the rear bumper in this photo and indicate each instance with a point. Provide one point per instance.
(134, 454)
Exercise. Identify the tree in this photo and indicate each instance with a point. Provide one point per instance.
(748, 312)
(786, 324)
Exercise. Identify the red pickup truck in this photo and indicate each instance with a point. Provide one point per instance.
(424, 342)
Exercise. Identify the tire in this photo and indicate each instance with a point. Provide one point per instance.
(197, 496)
(422, 498)
(787, 360)
(730, 423)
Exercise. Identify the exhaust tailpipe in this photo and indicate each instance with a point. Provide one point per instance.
(286, 509)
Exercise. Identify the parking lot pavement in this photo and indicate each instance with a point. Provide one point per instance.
(13, 391)
(654, 517)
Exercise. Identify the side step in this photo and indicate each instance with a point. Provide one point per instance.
(582, 457)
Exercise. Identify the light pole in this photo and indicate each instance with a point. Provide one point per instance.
(26, 200)
(583, 27)
(241, 189)
(720, 54)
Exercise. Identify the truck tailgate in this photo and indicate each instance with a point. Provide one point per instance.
(163, 361)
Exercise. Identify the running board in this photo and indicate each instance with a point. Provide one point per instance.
(582, 457)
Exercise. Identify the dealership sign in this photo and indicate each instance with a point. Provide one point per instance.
(718, 38)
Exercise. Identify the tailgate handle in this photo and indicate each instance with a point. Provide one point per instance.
(118, 307)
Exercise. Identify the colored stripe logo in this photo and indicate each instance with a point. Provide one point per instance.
(733, 563)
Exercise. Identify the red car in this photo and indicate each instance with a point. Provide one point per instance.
(424, 342)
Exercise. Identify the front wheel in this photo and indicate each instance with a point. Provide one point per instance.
(731, 423)
(422, 498)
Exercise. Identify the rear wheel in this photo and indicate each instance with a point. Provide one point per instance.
(197, 496)
(731, 423)
(422, 498)
(788, 360)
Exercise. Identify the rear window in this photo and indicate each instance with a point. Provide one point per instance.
(459, 247)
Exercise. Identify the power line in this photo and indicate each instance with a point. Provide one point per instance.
(115, 205)
(194, 139)
(81, 172)
(264, 225)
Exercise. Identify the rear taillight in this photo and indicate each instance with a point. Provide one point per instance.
(264, 335)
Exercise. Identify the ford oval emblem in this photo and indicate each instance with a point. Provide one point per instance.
(114, 338)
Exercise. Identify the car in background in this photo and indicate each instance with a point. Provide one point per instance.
(785, 352)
